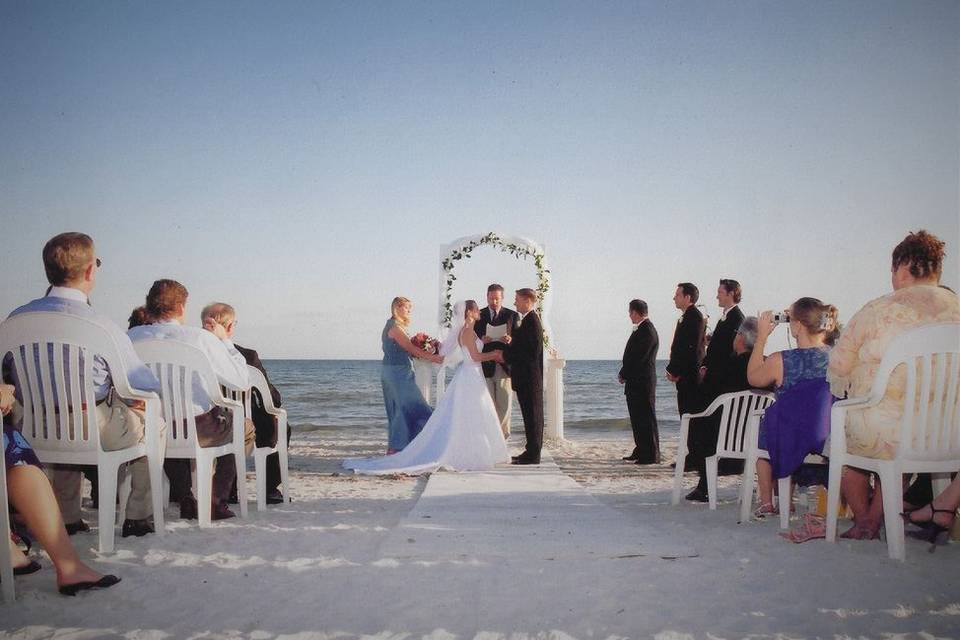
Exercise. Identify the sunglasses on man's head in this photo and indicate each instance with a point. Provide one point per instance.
(99, 263)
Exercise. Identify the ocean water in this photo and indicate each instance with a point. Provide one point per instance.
(346, 394)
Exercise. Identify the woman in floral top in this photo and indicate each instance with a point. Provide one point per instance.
(917, 299)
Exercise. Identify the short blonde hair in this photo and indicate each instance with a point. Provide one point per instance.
(221, 313)
(66, 256)
(394, 306)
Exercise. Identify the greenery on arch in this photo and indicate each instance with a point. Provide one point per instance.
(518, 250)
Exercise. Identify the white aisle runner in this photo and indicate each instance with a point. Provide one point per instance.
(532, 512)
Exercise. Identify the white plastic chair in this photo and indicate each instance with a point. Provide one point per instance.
(754, 453)
(175, 364)
(6, 563)
(735, 409)
(53, 354)
(929, 430)
(259, 382)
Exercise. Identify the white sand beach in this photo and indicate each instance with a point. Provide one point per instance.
(588, 547)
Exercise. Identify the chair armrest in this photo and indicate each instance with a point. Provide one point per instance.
(136, 394)
(856, 403)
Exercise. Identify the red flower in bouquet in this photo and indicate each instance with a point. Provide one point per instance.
(426, 342)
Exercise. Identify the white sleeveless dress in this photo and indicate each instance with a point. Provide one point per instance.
(463, 434)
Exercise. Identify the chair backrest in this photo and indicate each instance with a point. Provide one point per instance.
(176, 364)
(736, 409)
(53, 355)
(930, 356)
(259, 382)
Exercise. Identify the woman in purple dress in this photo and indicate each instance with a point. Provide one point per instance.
(813, 325)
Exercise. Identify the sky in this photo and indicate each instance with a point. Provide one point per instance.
(306, 161)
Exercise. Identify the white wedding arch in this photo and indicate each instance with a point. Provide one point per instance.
(520, 248)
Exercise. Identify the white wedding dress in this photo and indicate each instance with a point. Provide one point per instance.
(463, 434)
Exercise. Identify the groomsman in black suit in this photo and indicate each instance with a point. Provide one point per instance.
(716, 369)
(497, 375)
(687, 348)
(638, 376)
(525, 357)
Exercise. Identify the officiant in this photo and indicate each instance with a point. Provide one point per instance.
(494, 328)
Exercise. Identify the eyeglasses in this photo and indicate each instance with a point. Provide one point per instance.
(99, 263)
(729, 283)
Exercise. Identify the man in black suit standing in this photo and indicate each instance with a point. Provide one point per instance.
(264, 425)
(686, 350)
(638, 376)
(525, 357)
(716, 368)
(497, 375)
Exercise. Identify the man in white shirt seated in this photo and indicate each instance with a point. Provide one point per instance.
(221, 314)
(166, 305)
(71, 265)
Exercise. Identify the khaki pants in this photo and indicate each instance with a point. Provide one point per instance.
(502, 393)
(122, 431)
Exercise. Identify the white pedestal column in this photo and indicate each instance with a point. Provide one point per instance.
(423, 374)
(553, 399)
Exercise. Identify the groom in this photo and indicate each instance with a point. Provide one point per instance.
(525, 356)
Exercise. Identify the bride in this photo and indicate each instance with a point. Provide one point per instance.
(463, 434)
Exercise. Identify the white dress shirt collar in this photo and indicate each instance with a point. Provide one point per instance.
(723, 316)
(69, 293)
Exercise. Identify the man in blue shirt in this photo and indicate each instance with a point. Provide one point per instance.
(71, 266)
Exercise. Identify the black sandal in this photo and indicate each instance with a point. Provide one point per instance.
(102, 583)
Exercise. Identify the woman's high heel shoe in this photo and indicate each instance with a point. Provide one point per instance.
(932, 532)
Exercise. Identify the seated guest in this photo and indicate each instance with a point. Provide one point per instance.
(166, 305)
(743, 343)
(71, 266)
(224, 315)
(917, 300)
(29, 492)
(798, 423)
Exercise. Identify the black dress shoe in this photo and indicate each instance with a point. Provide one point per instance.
(630, 458)
(27, 569)
(526, 460)
(188, 508)
(698, 495)
(653, 461)
(102, 583)
(76, 527)
(136, 528)
(221, 512)
(274, 497)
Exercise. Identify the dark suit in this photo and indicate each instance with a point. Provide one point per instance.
(686, 352)
(266, 427)
(639, 375)
(503, 317)
(702, 437)
(719, 355)
(525, 356)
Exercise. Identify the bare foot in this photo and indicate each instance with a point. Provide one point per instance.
(862, 532)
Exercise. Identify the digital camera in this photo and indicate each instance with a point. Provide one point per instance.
(781, 317)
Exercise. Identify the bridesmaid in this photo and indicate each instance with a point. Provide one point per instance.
(407, 411)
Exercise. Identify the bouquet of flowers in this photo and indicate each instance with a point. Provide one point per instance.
(425, 342)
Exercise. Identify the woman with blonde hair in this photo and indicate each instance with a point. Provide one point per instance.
(407, 411)
(798, 423)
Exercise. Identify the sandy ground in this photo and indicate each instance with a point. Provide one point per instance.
(367, 557)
